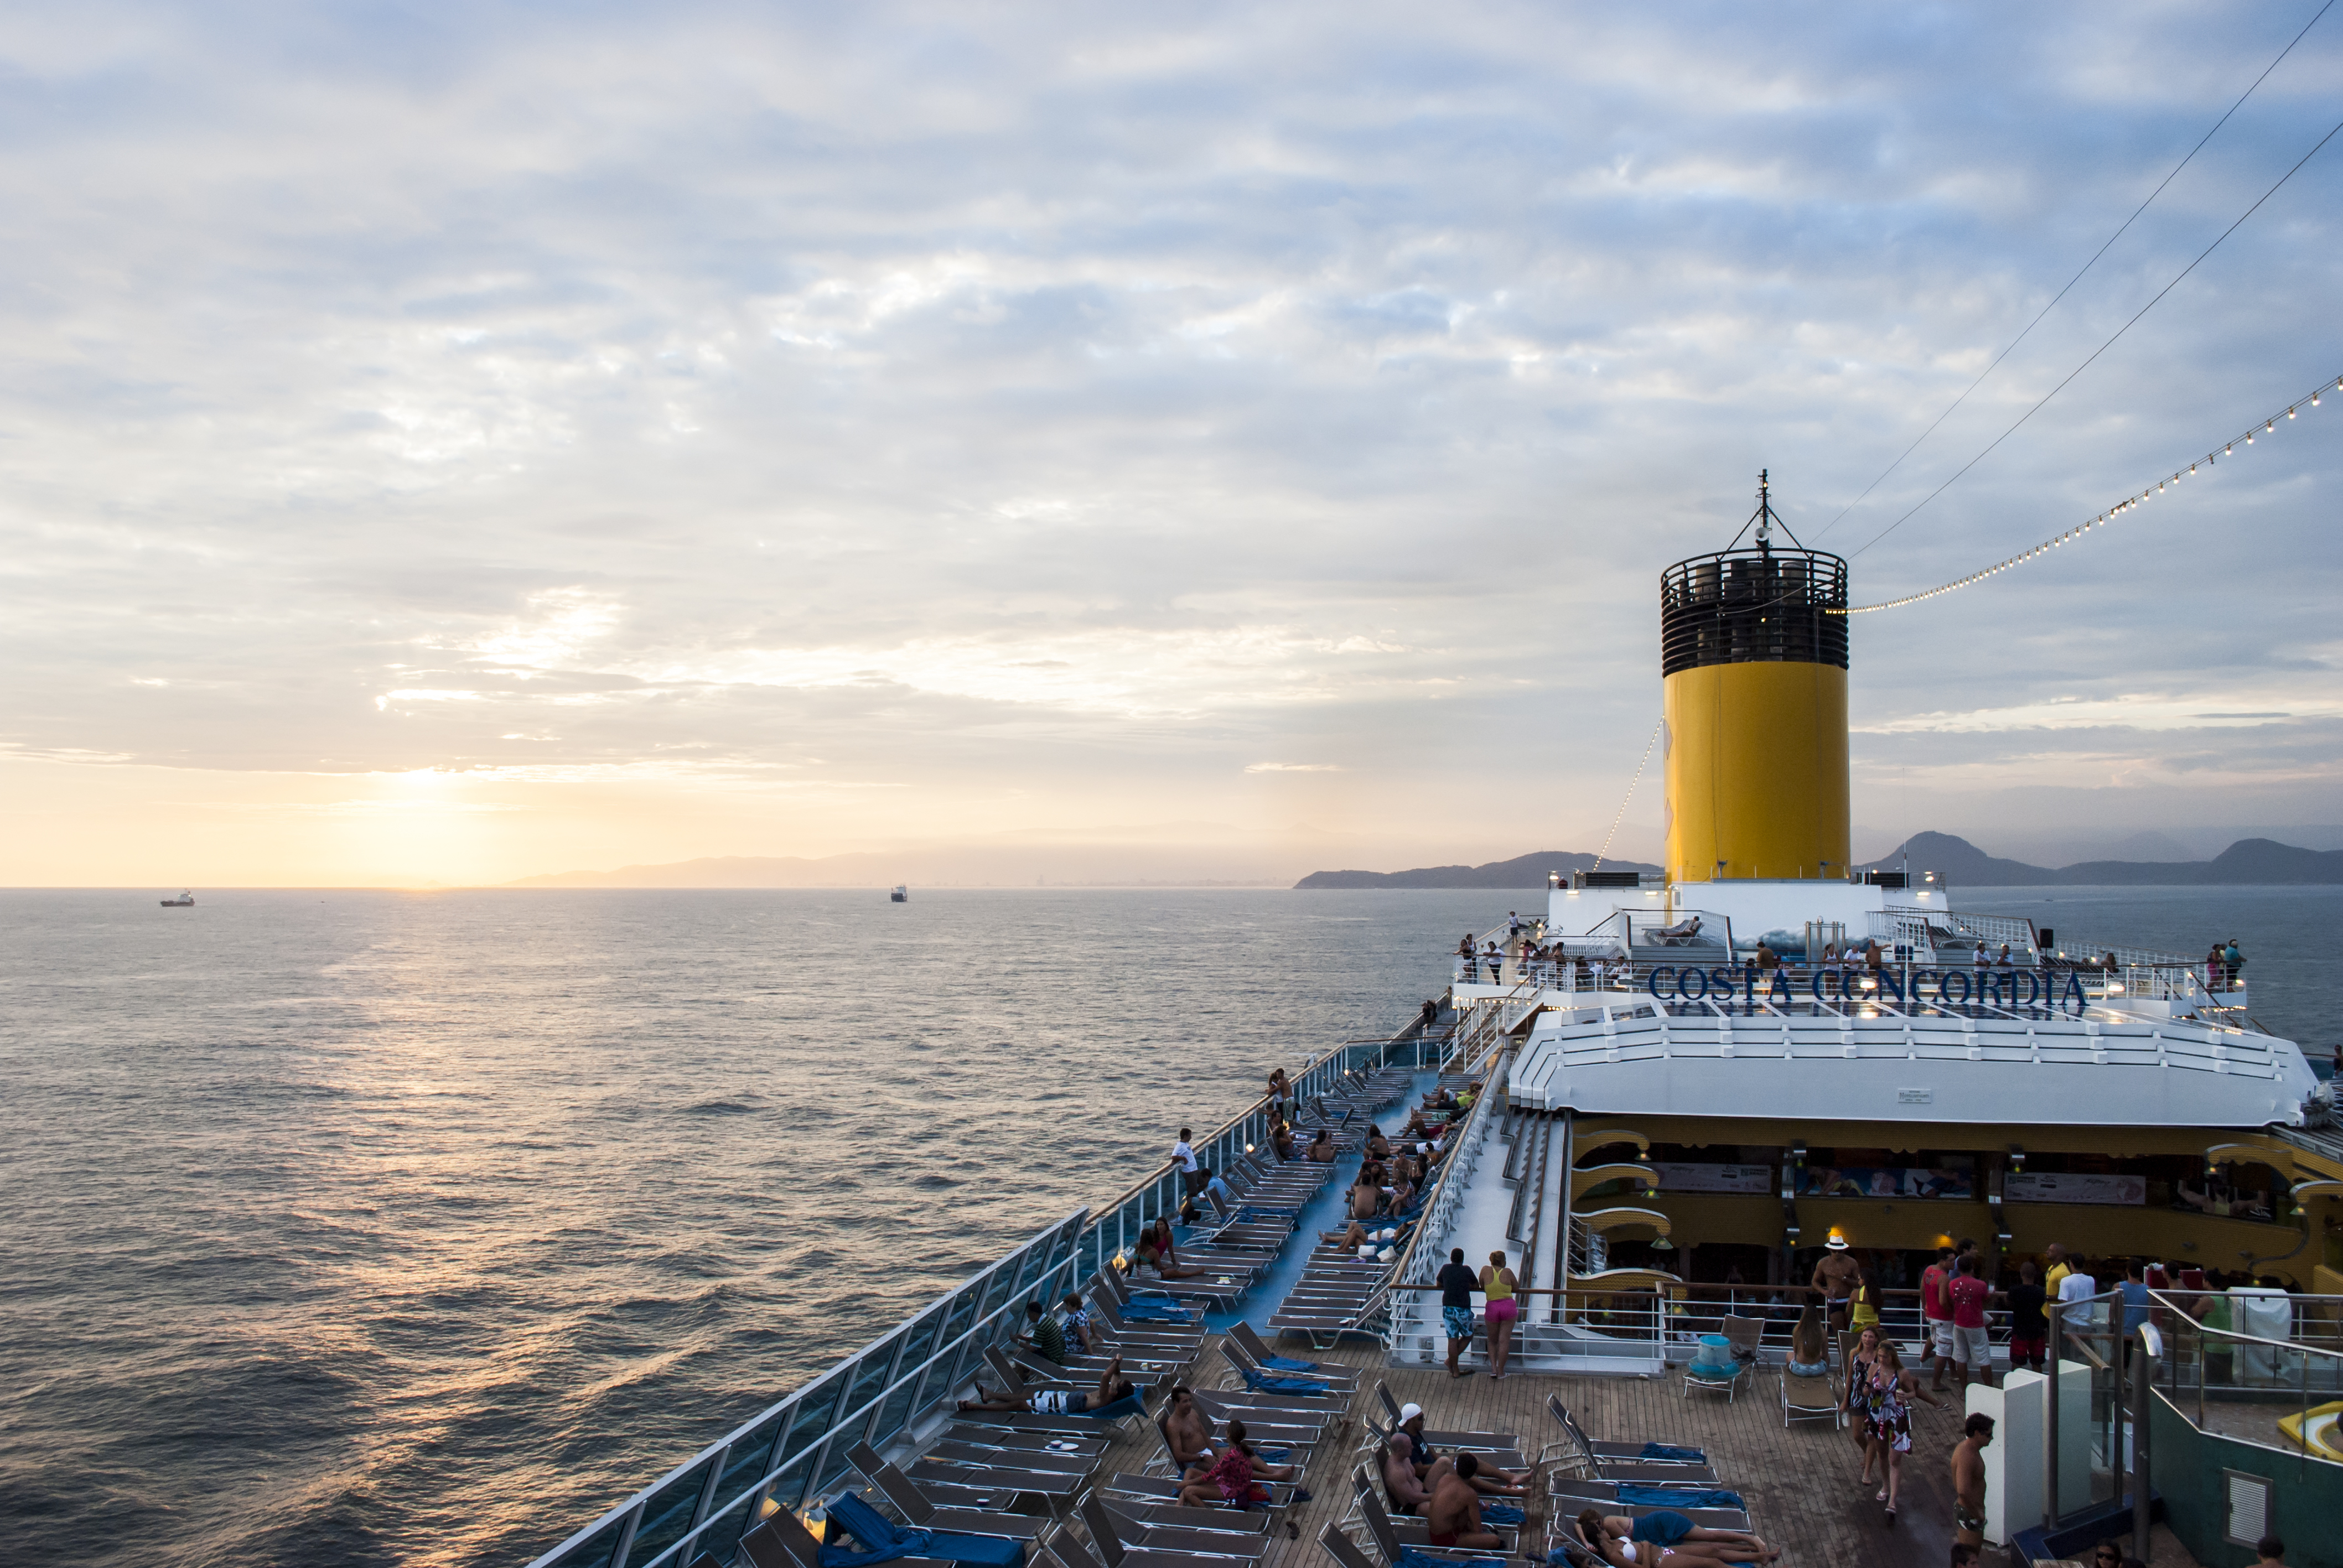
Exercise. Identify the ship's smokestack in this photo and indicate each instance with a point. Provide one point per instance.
(1752, 667)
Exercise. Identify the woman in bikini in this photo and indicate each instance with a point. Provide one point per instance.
(1666, 1539)
(1893, 1388)
(1498, 1283)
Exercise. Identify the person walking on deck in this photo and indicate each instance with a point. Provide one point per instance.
(1457, 1284)
(1969, 1480)
(1893, 1388)
(1497, 1285)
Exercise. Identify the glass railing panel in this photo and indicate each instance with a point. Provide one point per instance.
(898, 1407)
(788, 1488)
(812, 1419)
(749, 1457)
(594, 1552)
(668, 1514)
(720, 1536)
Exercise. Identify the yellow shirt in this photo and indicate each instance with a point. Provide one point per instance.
(2050, 1282)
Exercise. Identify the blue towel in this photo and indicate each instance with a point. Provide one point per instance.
(1260, 1384)
(1157, 1310)
(1669, 1451)
(1287, 1363)
(1128, 1405)
(1676, 1497)
(1274, 1455)
(886, 1542)
(1500, 1513)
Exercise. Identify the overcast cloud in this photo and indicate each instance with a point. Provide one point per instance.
(459, 442)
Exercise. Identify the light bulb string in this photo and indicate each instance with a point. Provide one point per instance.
(1639, 779)
(2312, 399)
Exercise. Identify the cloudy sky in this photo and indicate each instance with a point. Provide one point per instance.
(457, 443)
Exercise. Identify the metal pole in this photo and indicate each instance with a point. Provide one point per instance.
(2144, 1347)
(2050, 1429)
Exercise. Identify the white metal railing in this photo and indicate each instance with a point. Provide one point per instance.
(1414, 1265)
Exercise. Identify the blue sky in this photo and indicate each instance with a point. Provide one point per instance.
(451, 444)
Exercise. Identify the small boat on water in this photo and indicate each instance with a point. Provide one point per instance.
(901, 893)
(184, 902)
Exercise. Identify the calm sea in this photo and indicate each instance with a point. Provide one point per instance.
(357, 1228)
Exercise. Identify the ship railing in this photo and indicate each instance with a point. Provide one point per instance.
(795, 1449)
(2199, 1391)
(1414, 1265)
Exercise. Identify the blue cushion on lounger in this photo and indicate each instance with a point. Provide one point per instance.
(1408, 1557)
(1670, 1451)
(1676, 1497)
(1128, 1405)
(1287, 1363)
(1500, 1513)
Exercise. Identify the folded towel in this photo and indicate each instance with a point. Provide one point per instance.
(1500, 1513)
(1675, 1497)
(1669, 1451)
(1287, 1363)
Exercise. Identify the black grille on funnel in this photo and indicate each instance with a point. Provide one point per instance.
(1746, 607)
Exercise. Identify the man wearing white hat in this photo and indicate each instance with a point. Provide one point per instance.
(1836, 1276)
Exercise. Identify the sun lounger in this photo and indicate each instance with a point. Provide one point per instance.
(1809, 1397)
(1217, 1530)
(1003, 1477)
(1251, 1345)
(1651, 1460)
(1167, 1489)
(1074, 1553)
(782, 1540)
(1269, 1423)
(1477, 1441)
(1445, 1443)
(1119, 1540)
(965, 1429)
(881, 1540)
(1385, 1535)
(1368, 1501)
(1261, 1380)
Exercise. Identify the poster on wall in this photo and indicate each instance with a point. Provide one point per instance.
(1674, 1178)
(1885, 1182)
(2053, 1186)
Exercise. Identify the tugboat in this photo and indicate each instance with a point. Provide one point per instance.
(184, 902)
(901, 893)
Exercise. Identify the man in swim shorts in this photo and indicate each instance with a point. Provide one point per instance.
(1453, 1517)
(1112, 1387)
(1969, 1480)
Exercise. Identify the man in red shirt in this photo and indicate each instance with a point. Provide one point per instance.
(1967, 1294)
(1937, 1313)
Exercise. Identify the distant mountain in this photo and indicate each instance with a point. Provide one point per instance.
(1521, 872)
(2249, 862)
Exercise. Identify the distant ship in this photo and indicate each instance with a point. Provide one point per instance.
(184, 902)
(898, 894)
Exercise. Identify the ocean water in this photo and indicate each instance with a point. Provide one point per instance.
(370, 1228)
(360, 1227)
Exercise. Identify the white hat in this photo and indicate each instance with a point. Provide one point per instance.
(1837, 1243)
(1408, 1413)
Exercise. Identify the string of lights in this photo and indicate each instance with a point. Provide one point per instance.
(2333, 385)
(1639, 779)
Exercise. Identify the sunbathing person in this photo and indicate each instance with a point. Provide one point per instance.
(1666, 1539)
(1487, 1478)
(1321, 1148)
(1231, 1480)
(1378, 1146)
(1452, 1515)
(1366, 1197)
(1112, 1386)
(1352, 1239)
(1189, 1433)
(1153, 1261)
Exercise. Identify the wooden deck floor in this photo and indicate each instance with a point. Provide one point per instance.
(1800, 1483)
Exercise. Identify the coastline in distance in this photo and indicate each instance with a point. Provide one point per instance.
(2249, 862)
